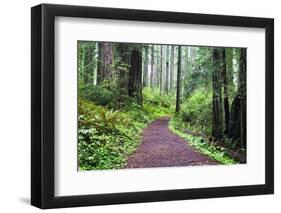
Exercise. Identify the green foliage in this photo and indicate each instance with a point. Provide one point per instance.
(107, 137)
(200, 70)
(197, 111)
(105, 94)
(156, 103)
(111, 122)
(87, 61)
(97, 94)
(217, 153)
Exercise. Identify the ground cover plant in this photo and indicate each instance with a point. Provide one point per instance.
(149, 105)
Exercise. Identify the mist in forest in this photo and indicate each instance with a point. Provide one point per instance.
(152, 105)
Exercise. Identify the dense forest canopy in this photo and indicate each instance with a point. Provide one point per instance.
(124, 86)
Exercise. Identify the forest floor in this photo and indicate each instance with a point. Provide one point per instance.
(160, 147)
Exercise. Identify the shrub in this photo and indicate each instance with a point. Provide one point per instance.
(109, 132)
(197, 110)
(97, 94)
(105, 95)
(153, 101)
(219, 154)
(106, 137)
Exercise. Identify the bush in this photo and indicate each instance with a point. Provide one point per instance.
(109, 129)
(105, 95)
(218, 154)
(197, 110)
(97, 94)
(106, 137)
(154, 102)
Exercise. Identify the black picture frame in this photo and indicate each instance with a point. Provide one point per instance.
(43, 102)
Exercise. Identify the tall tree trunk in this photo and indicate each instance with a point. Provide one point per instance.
(99, 61)
(242, 93)
(237, 124)
(152, 67)
(157, 67)
(135, 74)
(172, 69)
(178, 81)
(145, 68)
(229, 66)
(185, 69)
(124, 53)
(161, 71)
(225, 90)
(217, 122)
(234, 119)
(105, 61)
(167, 71)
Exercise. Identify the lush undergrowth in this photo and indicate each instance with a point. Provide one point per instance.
(196, 112)
(108, 135)
(219, 154)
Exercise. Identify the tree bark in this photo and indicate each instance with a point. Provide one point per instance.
(172, 69)
(185, 69)
(105, 56)
(157, 67)
(178, 81)
(225, 90)
(135, 74)
(242, 93)
(216, 108)
(234, 119)
(152, 67)
(237, 124)
(161, 71)
(124, 54)
(229, 66)
(145, 70)
(167, 71)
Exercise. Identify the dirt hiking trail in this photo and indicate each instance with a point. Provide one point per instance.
(160, 147)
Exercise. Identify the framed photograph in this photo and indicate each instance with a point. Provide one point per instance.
(139, 106)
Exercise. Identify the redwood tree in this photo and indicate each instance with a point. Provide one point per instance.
(225, 89)
(135, 74)
(167, 71)
(172, 69)
(105, 61)
(237, 123)
(216, 102)
(242, 94)
(145, 67)
(123, 50)
(161, 70)
(178, 81)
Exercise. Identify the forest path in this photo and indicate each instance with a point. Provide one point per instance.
(162, 148)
